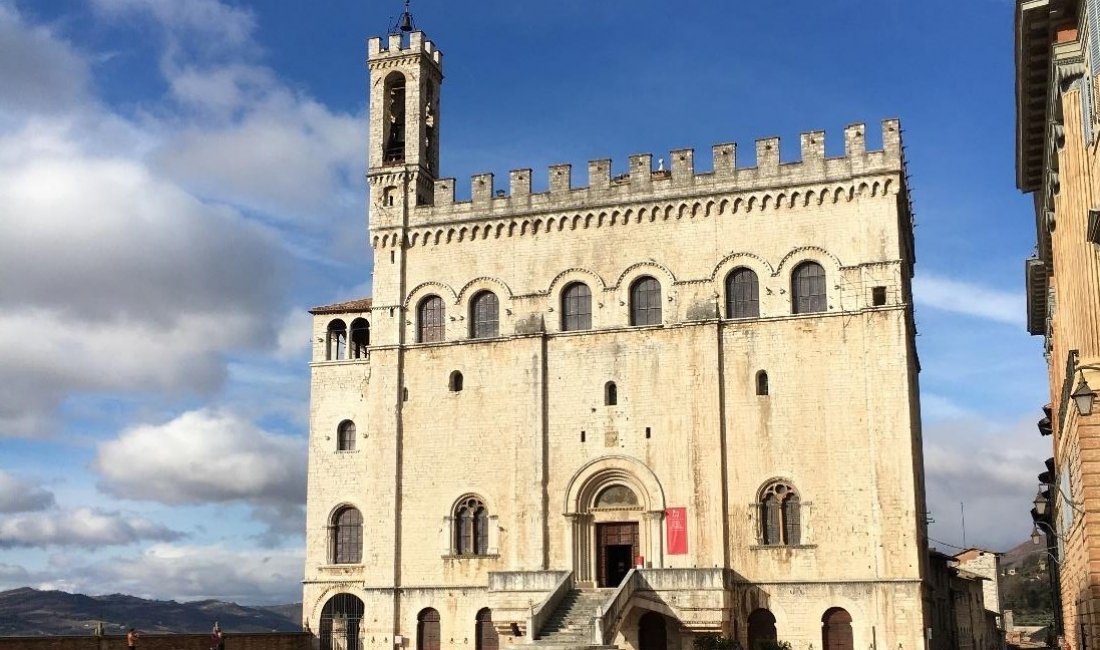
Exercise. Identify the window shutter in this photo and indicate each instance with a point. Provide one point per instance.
(481, 525)
(792, 520)
(771, 520)
(1088, 110)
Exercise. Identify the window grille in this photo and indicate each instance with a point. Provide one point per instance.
(808, 288)
(345, 436)
(347, 537)
(576, 307)
(645, 302)
(485, 315)
(431, 317)
(742, 294)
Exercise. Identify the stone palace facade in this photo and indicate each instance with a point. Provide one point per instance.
(660, 405)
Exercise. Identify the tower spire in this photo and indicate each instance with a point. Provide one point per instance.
(405, 23)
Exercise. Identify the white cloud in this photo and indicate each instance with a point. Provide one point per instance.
(221, 26)
(968, 298)
(993, 470)
(189, 573)
(82, 527)
(203, 457)
(296, 334)
(37, 75)
(17, 495)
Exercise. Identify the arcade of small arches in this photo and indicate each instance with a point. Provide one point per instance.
(808, 289)
(836, 630)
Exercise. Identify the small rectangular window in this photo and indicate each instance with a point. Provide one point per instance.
(878, 296)
(648, 433)
(582, 436)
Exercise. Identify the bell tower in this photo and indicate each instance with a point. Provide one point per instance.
(405, 77)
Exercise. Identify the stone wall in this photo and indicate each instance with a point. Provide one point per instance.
(259, 641)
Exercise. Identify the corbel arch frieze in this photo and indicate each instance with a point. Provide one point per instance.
(427, 288)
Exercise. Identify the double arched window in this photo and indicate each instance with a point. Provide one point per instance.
(430, 320)
(645, 302)
(346, 539)
(576, 307)
(484, 315)
(471, 527)
(742, 294)
(808, 289)
(345, 436)
(780, 515)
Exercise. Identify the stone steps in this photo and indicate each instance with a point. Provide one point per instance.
(570, 626)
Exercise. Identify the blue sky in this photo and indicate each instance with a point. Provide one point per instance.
(180, 181)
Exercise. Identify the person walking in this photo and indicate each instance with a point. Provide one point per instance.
(131, 639)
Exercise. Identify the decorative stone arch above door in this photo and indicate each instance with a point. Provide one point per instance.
(584, 508)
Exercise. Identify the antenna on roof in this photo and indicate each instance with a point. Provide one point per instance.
(405, 23)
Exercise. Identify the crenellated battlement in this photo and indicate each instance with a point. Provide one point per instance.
(396, 47)
(641, 182)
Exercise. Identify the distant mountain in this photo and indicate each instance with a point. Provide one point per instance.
(29, 612)
(1025, 584)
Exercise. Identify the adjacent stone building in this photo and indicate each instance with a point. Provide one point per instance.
(1057, 61)
(656, 405)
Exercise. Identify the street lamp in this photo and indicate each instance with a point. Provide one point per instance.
(1040, 502)
(1084, 396)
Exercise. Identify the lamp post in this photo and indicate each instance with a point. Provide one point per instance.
(1084, 397)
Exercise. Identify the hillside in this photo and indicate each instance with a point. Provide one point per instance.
(29, 612)
(1025, 585)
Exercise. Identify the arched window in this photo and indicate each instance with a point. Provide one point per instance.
(808, 288)
(576, 307)
(486, 637)
(762, 634)
(347, 536)
(427, 630)
(471, 527)
(742, 294)
(645, 302)
(762, 383)
(360, 338)
(610, 394)
(345, 436)
(780, 515)
(485, 315)
(836, 630)
(616, 497)
(430, 318)
(394, 119)
(337, 344)
(455, 382)
(340, 620)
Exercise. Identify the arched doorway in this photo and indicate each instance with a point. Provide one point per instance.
(836, 630)
(486, 637)
(427, 630)
(341, 620)
(652, 633)
(761, 629)
(617, 510)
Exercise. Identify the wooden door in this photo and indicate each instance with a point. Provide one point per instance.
(611, 540)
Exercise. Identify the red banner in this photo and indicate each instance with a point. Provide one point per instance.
(676, 526)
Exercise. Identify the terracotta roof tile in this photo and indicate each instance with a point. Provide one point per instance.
(362, 304)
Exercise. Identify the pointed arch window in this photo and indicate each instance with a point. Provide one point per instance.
(780, 515)
(345, 436)
(471, 527)
(576, 307)
(430, 319)
(485, 315)
(645, 301)
(742, 294)
(337, 343)
(427, 629)
(360, 338)
(347, 536)
(808, 288)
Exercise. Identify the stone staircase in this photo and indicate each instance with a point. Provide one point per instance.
(571, 624)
